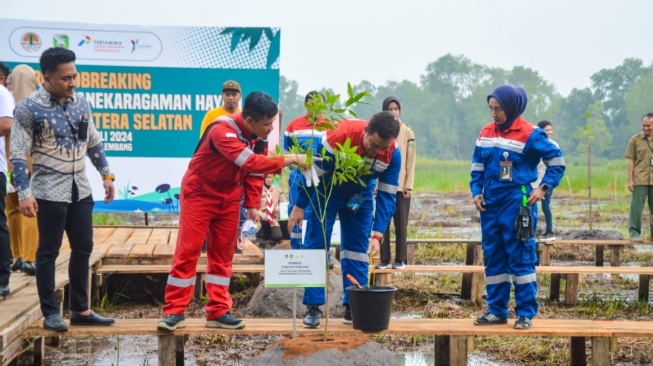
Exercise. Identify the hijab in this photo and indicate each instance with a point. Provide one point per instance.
(23, 80)
(513, 100)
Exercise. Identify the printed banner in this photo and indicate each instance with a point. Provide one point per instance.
(149, 89)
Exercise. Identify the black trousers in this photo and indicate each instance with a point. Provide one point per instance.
(77, 220)
(5, 248)
(401, 231)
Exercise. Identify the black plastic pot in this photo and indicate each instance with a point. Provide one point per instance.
(371, 307)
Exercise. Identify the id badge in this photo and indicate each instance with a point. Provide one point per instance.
(506, 171)
(355, 202)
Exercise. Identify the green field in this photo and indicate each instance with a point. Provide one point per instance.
(609, 177)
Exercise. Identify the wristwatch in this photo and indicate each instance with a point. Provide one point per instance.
(545, 187)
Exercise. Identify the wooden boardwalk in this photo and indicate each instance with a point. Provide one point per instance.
(112, 245)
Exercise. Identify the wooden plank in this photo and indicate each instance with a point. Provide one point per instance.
(599, 255)
(13, 350)
(173, 237)
(139, 237)
(167, 350)
(625, 328)
(642, 293)
(442, 349)
(571, 290)
(615, 260)
(119, 251)
(597, 242)
(577, 351)
(119, 236)
(17, 327)
(258, 268)
(142, 250)
(163, 250)
(458, 351)
(100, 234)
(601, 351)
(159, 236)
(453, 327)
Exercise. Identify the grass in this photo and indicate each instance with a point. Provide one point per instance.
(609, 178)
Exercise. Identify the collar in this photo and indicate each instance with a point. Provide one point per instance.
(45, 95)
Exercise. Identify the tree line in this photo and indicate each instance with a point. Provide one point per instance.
(447, 108)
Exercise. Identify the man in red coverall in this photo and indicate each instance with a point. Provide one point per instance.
(229, 158)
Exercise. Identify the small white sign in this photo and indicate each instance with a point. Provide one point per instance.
(283, 211)
(335, 234)
(295, 268)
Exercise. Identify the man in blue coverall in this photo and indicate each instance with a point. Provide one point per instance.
(504, 164)
(306, 136)
(352, 202)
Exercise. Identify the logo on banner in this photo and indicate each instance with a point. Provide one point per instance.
(86, 40)
(137, 44)
(31, 42)
(107, 45)
(60, 41)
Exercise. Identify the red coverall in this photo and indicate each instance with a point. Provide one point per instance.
(210, 200)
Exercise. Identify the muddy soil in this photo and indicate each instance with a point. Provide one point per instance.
(432, 215)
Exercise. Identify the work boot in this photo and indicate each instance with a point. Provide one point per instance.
(171, 322)
(226, 321)
(312, 317)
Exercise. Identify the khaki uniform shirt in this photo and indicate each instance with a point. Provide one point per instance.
(639, 150)
(406, 141)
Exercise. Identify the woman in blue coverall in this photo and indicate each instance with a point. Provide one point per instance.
(504, 164)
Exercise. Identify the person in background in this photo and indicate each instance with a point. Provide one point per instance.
(229, 159)
(24, 236)
(546, 200)
(6, 118)
(406, 142)
(353, 202)
(269, 211)
(231, 95)
(58, 192)
(504, 164)
(640, 177)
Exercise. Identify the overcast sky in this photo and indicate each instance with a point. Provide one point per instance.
(566, 41)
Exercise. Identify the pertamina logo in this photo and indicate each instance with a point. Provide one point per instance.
(85, 41)
(31, 42)
(60, 41)
(107, 45)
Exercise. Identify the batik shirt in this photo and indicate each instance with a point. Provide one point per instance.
(50, 133)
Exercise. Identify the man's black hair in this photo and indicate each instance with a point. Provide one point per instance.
(648, 115)
(384, 124)
(4, 70)
(53, 57)
(259, 105)
(311, 94)
(543, 124)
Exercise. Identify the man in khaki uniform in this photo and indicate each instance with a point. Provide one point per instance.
(640, 176)
(406, 141)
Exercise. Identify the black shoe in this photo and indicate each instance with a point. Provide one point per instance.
(239, 251)
(226, 321)
(347, 318)
(4, 291)
(17, 266)
(490, 319)
(384, 265)
(171, 322)
(92, 319)
(523, 322)
(55, 323)
(312, 317)
(330, 265)
(398, 265)
(29, 268)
